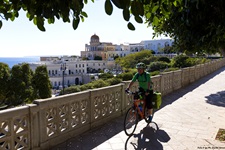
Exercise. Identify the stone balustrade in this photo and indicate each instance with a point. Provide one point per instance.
(48, 122)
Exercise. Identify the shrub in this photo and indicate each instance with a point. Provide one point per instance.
(190, 62)
(148, 60)
(86, 87)
(154, 73)
(105, 76)
(71, 89)
(126, 76)
(154, 66)
(114, 81)
(164, 59)
(180, 61)
(99, 83)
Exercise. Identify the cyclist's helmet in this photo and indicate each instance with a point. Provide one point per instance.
(141, 65)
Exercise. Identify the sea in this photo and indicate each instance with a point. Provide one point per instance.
(11, 61)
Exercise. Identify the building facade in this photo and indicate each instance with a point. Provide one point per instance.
(157, 45)
(74, 72)
(107, 50)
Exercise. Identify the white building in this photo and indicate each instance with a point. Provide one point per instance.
(75, 71)
(107, 50)
(157, 45)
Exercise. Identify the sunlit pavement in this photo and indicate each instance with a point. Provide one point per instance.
(189, 119)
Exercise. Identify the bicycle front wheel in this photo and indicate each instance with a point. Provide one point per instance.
(130, 121)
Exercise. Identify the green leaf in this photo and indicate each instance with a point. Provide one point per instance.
(117, 3)
(41, 27)
(40, 23)
(138, 19)
(76, 22)
(175, 3)
(148, 15)
(108, 7)
(139, 8)
(85, 1)
(130, 26)
(126, 14)
(35, 20)
(82, 18)
(12, 18)
(155, 8)
(84, 14)
(134, 8)
(51, 20)
(155, 21)
(0, 24)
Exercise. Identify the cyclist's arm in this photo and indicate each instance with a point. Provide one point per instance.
(132, 81)
(130, 84)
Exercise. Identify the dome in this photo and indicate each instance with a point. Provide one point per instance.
(94, 37)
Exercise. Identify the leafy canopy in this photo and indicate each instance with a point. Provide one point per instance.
(195, 25)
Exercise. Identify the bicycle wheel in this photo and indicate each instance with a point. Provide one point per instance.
(130, 121)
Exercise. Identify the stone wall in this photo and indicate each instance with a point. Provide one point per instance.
(48, 122)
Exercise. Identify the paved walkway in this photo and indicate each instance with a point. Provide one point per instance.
(188, 120)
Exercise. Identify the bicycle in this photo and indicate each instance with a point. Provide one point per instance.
(135, 113)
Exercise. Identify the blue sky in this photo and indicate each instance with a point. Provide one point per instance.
(22, 38)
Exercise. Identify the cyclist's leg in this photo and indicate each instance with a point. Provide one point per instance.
(149, 106)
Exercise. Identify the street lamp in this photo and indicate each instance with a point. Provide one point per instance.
(63, 68)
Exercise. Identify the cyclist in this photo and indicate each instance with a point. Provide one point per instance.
(144, 81)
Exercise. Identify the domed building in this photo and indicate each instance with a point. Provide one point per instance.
(105, 50)
(94, 40)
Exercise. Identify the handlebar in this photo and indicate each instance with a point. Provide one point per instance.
(129, 92)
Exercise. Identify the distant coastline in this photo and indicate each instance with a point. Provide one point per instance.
(11, 61)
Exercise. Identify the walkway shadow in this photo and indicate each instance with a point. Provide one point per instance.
(171, 97)
(149, 139)
(217, 99)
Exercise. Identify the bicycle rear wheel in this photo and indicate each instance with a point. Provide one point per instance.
(130, 121)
